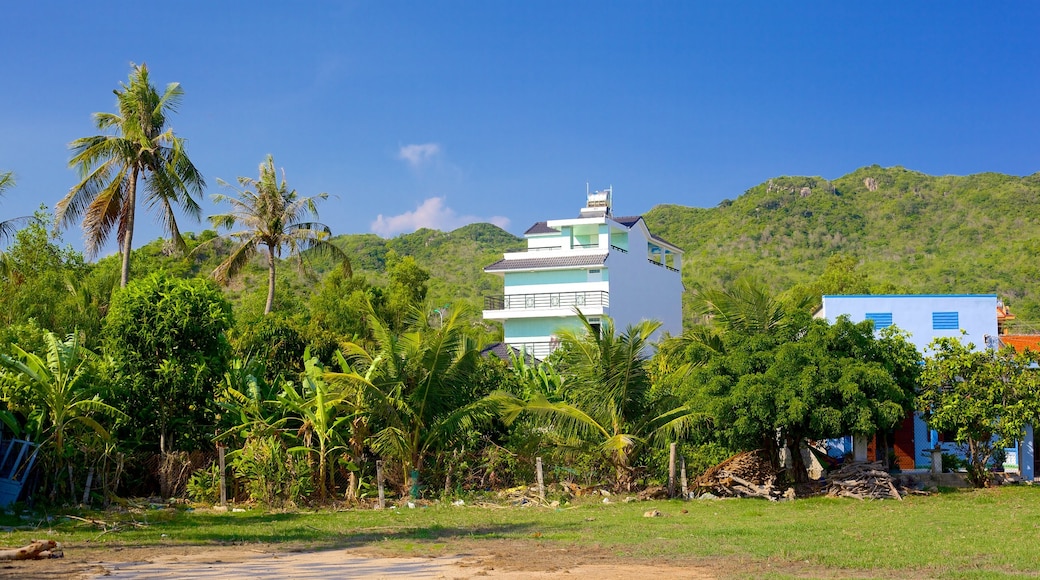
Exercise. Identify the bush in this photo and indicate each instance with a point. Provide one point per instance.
(204, 485)
(272, 475)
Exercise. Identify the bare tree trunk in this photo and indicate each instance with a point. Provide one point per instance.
(799, 472)
(129, 206)
(270, 280)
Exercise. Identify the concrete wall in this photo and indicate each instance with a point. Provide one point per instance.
(640, 290)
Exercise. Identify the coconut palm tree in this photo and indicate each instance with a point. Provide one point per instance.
(273, 216)
(7, 227)
(416, 386)
(605, 400)
(140, 147)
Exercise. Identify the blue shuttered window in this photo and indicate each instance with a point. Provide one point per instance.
(945, 321)
(880, 319)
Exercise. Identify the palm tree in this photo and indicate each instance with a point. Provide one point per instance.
(7, 227)
(273, 216)
(605, 398)
(141, 148)
(417, 386)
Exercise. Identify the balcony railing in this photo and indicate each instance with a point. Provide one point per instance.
(547, 300)
(656, 263)
(538, 350)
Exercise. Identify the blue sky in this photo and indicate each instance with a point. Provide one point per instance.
(439, 113)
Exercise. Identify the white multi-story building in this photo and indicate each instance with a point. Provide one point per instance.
(600, 264)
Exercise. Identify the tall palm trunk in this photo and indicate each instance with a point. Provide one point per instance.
(128, 232)
(270, 280)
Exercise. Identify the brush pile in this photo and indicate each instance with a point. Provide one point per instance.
(862, 481)
(747, 474)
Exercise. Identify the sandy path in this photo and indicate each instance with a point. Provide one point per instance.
(332, 564)
(500, 559)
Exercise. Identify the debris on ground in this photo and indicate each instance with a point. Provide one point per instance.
(37, 550)
(652, 514)
(747, 474)
(863, 481)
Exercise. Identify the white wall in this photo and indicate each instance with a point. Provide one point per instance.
(913, 313)
(640, 290)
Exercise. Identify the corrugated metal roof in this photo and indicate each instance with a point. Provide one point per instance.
(547, 262)
(541, 228)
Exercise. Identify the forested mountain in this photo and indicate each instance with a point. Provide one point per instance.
(909, 231)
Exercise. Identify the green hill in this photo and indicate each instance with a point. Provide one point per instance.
(911, 232)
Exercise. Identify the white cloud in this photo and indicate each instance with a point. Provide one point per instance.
(417, 155)
(433, 214)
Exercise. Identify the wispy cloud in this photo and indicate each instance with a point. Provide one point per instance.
(433, 214)
(419, 154)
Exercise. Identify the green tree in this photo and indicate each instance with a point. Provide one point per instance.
(813, 380)
(40, 278)
(272, 216)
(605, 399)
(167, 338)
(111, 166)
(417, 386)
(987, 397)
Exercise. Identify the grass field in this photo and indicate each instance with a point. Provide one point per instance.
(964, 534)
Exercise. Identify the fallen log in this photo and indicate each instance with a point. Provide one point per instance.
(37, 550)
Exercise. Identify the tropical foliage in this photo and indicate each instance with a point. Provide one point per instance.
(605, 402)
(985, 397)
(55, 393)
(770, 376)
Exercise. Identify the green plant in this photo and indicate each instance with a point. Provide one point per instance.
(272, 475)
(951, 463)
(204, 485)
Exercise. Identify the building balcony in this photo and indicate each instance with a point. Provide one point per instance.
(591, 302)
(538, 350)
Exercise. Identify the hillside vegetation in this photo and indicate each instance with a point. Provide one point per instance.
(909, 231)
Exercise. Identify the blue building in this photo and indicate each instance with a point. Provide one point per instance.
(970, 317)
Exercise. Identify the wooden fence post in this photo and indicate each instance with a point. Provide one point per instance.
(682, 478)
(379, 482)
(541, 482)
(671, 470)
(223, 475)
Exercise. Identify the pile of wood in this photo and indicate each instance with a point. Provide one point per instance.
(747, 474)
(862, 481)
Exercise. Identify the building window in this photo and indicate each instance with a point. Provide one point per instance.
(880, 319)
(945, 321)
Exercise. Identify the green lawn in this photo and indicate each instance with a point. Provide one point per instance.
(966, 534)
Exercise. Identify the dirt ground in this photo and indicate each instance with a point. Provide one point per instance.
(505, 559)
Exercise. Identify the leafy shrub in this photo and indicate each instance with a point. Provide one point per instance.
(272, 475)
(204, 485)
